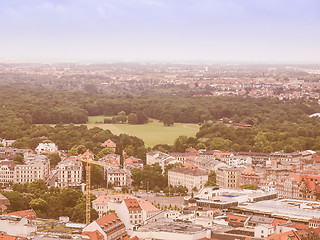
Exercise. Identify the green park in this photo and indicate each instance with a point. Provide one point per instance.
(152, 133)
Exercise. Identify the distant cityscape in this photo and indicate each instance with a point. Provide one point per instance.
(280, 81)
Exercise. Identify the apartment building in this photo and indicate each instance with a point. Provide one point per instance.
(6, 172)
(34, 169)
(108, 227)
(187, 177)
(118, 177)
(299, 186)
(228, 177)
(130, 213)
(69, 173)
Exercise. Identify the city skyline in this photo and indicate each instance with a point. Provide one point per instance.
(160, 31)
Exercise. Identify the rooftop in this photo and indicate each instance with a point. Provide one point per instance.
(188, 171)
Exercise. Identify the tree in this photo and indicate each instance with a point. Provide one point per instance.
(167, 120)
(132, 118)
(125, 189)
(38, 204)
(17, 202)
(180, 144)
(142, 118)
(18, 159)
(249, 186)
(122, 116)
(156, 189)
(54, 159)
(211, 179)
(105, 152)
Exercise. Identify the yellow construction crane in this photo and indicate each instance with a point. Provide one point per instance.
(87, 160)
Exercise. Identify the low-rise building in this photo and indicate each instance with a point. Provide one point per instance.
(163, 159)
(314, 223)
(131, 163)
(111, 159)
(29, 214)
(109, 144)
(165, 228)
(299, 186)
(105, 203)
(22, 228)
(109, 226)
(46, 147)
(130, 213)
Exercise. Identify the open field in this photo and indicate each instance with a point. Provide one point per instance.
(152, 133)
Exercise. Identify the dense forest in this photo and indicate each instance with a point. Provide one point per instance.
(275, 125)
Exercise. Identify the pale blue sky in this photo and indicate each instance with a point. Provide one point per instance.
(160, 30)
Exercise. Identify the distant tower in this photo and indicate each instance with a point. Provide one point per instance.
(206, 68)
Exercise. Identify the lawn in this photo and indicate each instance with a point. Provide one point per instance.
(152, 133)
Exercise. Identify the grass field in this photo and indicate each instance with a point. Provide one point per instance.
(152, 133)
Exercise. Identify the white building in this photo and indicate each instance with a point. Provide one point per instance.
(118, 177)
(109, 226)
(168, 229)
(6, 143)
(22, 228)
(187, 177)
(130, 213)
(69, 173)
(104, 203)
(34, 169)
(263, 230)
(161, 158)
(239, 161)
(6, 171)
(46, 147)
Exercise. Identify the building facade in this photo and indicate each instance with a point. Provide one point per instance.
(6, 172)
(228, 177)
(118, 177)
(187, 177)
(69, 173)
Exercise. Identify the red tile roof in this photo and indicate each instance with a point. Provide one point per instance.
(283, 236)
(278, 222)
(96, 235)
(310, 181)
(299, 226)
(108, 221)
(192, 150)
(132, 204)
(7, 237)
(30, 214)
(190, 165)
(109, 143)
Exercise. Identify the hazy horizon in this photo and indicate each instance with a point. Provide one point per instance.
(167, 31)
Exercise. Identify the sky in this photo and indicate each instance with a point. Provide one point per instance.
(212, 31)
